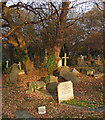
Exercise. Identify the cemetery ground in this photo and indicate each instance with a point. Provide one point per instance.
(87, 102)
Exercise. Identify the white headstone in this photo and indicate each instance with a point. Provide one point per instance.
(7, 63)
(42, 110)
(65, 91)
(65, 58)
(60, 63)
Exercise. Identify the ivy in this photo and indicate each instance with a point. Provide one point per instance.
(51, 64)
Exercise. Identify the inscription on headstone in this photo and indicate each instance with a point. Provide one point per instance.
(65, 91)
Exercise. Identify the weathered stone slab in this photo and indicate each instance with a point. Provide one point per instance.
(13, 74)
(65, 91)
(36, 85)
(53, 79)
(52, 86)
(23, 114)
(67, 75)
(42, 110)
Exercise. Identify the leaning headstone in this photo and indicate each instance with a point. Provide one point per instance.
(69, 76)
(53, 78)
(59, 63)
(65, 91)
(52, 86)
(23, 114)
(40, 85)
(98, 75)
(36, 85)
(42, 110)
(13, 74)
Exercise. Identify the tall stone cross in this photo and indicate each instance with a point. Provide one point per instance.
(19, 66)
(65, 62)
(7, 63)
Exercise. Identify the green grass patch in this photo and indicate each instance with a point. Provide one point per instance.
(82, 103)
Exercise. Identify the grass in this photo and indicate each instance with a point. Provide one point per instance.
(82, 103)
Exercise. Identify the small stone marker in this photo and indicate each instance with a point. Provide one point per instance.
(19, 65)
(7, 63)
(65, 62)
(42, 110)
(65, 91)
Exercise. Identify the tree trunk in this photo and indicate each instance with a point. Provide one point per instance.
(60, 29)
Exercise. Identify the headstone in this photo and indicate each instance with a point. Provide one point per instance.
(13, 74)
(65, 91)
(42, 110)
(69, 76)
(60, 63)
(36, 85)
(21, 72)
(7, 64)
(52, 86)
(53, 78)
(23, 114)
(81, 61)
(90, 72)
(65, 59)
(74, 71)
(98, 75)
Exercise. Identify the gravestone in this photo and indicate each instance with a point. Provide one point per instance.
(90, 72)
(23, 114)
(52, 86)
(59, 63)
(7, 64)
(65, 59)
(36, 85)
(81, 62)
(42, 110)
(69, 76)
(13, 74)
(98, 75)
(65, 91)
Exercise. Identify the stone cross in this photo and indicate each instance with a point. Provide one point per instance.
(65, 59)
(7, 63)
(19, 65)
